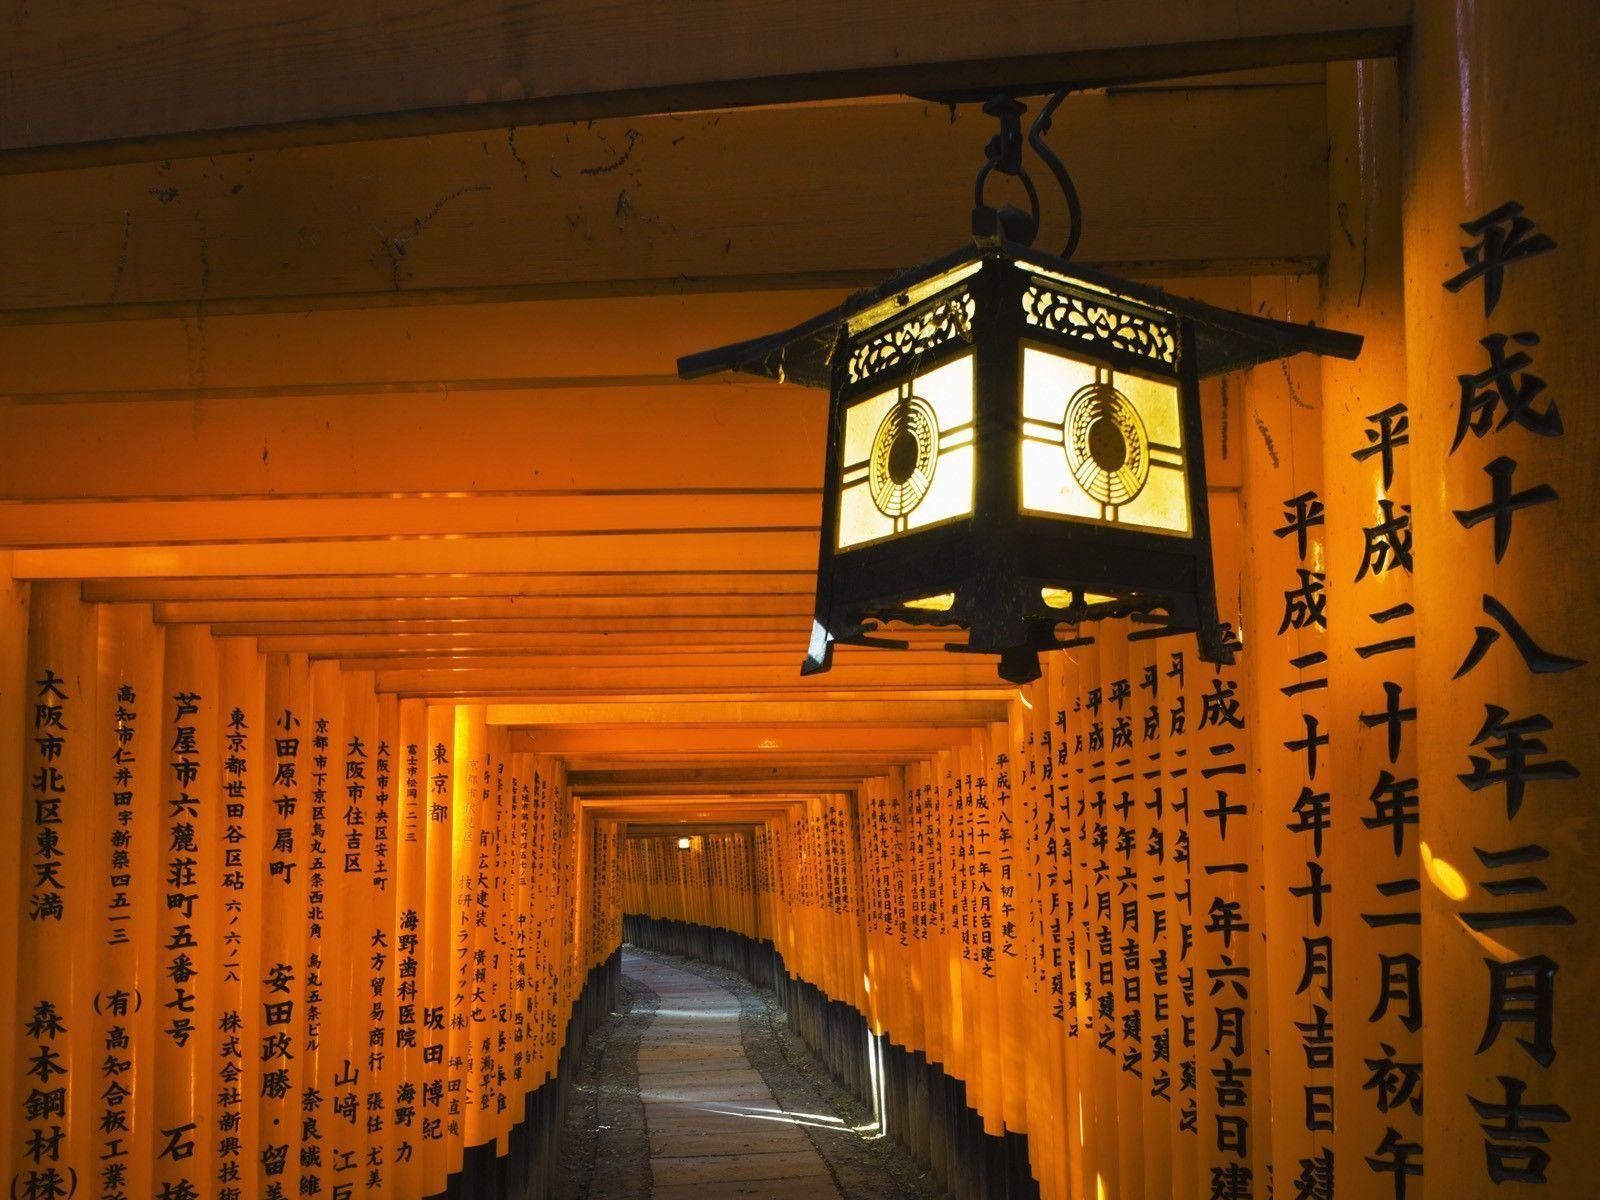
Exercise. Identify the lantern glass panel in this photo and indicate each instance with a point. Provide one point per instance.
(1102, 445)
(907, 456)
(1063, 597)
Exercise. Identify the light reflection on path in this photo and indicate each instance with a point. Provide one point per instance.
(716, 1130)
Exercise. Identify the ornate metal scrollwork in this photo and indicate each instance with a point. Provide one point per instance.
(932, 327)
(1099, 324)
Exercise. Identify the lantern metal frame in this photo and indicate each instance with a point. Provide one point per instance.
(993, 299)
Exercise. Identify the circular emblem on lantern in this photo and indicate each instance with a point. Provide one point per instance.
(905, 451)
(1107, 449)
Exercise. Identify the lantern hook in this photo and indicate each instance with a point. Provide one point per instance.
(1036, 133)
(1003, 153)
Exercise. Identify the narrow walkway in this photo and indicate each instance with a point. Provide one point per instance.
(697, 1088)
(716, 1130)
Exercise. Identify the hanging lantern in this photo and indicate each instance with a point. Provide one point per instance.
(1015, 442)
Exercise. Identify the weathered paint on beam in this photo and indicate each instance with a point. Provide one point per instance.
(118, 83)
(1172, 181)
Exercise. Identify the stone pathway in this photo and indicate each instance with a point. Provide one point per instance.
(716, 1130)
(697, 1088)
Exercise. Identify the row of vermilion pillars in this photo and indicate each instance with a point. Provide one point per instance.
(999, 909)
(1412, 907)
(1499, 104)
(711, 881)
(1369, 456)
(1275, 1000)
(270, 932)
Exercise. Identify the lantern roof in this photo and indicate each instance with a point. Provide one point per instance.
(1224, 340)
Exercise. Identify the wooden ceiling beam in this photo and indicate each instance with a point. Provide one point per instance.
(115, 83)
(115, 522)
(888, 672)
(452, 352)
(262, 475)
(1206, 179)
(599, 610)
(853, 763)
(393, 643)
(687, 631)
(604, 782)
(678, 830)
(642, 712)
(744, 819)
(745, 814)
(729, 739)
(707, 802)
(597, 644)
(501, 446)
(711, 668)
(717, 551)
(874, 698)
(356, 587)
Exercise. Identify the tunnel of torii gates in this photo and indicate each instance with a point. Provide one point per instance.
(380, 609)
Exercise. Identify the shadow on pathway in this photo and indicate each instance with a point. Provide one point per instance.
(698, 1090)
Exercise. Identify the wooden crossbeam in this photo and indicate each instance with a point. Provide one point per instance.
(443, 350)
(759, 702)
(245, 521)
(695, 780)
(722, 740)
(718, 551)
(271, 466)
(598, 610)
(596, 653)
(886, 673)
(1174, 181)
(645, 830)
(851, 764)
(685, 630)
(108, 82)
(357, 587)
(645, 713)
(689, 814)
(500, 445)
(388, 641)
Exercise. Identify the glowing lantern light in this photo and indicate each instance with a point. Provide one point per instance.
(1015, 442)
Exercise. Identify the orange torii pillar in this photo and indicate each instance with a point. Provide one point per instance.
(1501, 295)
